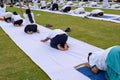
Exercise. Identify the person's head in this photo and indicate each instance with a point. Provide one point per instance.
(15, 13)
(2, 5)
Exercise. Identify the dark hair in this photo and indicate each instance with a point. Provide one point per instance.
(28, 11)
(89, 56)
(2, 5)
(15, 13)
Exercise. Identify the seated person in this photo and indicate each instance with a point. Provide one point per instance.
(2, 8)
(66, 8)
(58, 39)
(43, 4)
(107, 60)
(7, 16)
(115, 6)
(54, 7)
(79, 10)
(96, 13)
(35, 4)
(17, 20)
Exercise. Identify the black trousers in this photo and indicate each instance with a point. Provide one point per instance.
(59, 39)
(31, 27)
(98, 14)
(19, 22)
(55, 6)
(43, 7)
(67, 9)
(8, 19)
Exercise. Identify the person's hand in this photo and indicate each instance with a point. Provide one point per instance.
(87, 65)
(42, 40)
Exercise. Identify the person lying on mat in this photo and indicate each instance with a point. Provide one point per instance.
(58, 39)
(7, 16)
(79, 10)
(31, 26)
(17, 19)
(53, 7)
(96, 13)
(107, 60)
(35, 4)
(66, 8)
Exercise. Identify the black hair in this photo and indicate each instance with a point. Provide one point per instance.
(28, 11)
(89, 54)
(15, 13)
(2, 5)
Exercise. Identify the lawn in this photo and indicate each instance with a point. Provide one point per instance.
(15, 65)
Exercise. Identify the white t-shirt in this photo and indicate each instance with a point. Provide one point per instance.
(16, 17)
(8, 14)
(3, 10)
(27, 19)
(79, 10)
(55, 32)
(43, 4)
(69, 3)
(65, 6)
(91, 4)
(35, 4)
(96, 11)
(81, 3)
(115, 6)
(98, 59)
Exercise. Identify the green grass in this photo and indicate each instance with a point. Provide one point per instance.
(15, 65)
(102, 34)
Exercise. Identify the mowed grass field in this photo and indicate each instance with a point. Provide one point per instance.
(15, 65)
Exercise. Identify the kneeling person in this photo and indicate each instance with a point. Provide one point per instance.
(31, 28)
(97, 13)
(58, 39)
(17, 20)
(107, 60)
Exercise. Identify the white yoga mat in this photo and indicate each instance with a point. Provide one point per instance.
(58, 65)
